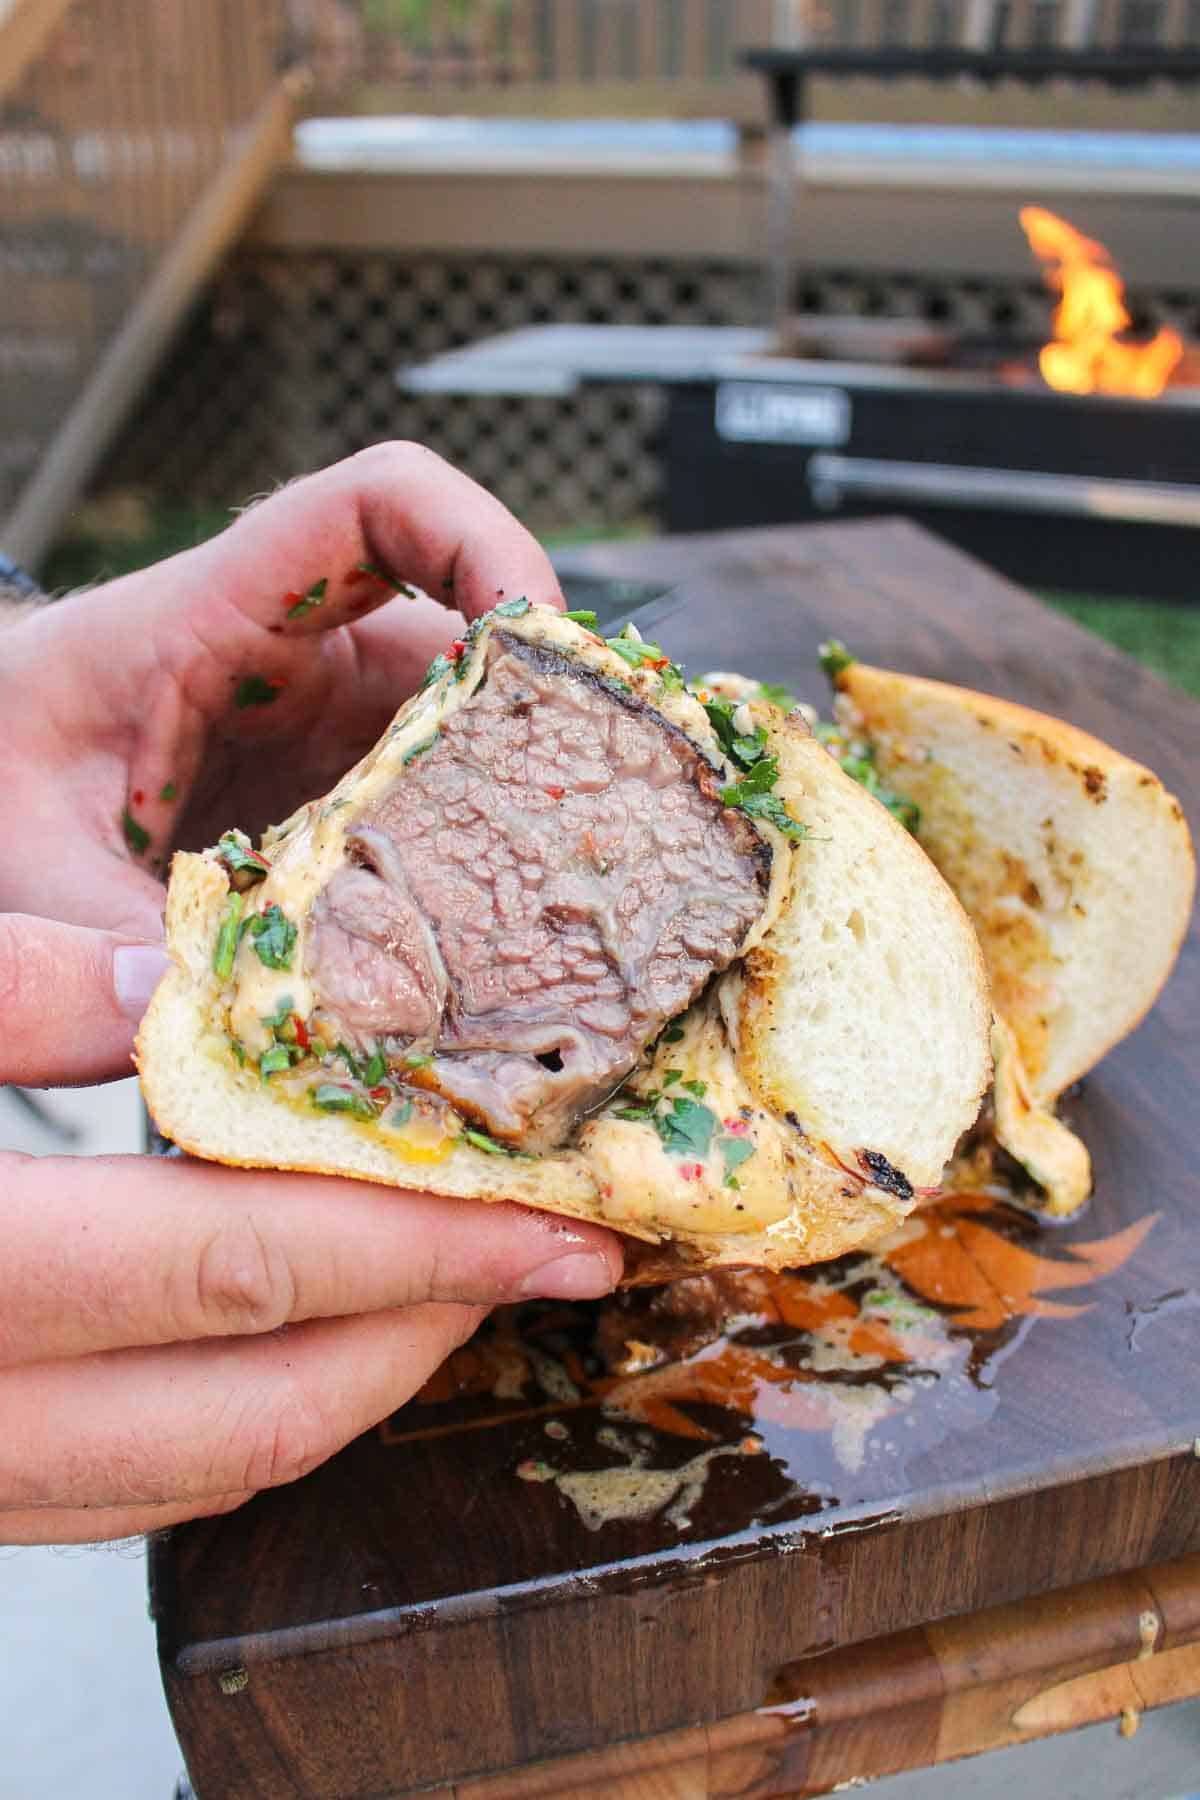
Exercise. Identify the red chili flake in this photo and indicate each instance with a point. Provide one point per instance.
(277, 683)
(736, 1127)
(691, 1171)
(291, 599)
(663, 662)
(555, 793)
(138, 797)
(358, 573)
(457, 650)
(301, 1030)
(606, 1192)
(380, 1092)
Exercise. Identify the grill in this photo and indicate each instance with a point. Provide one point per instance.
(1084, 492)
(834, 415)
(1076, 491)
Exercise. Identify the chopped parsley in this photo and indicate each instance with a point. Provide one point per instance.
(634, 1114)
(671, 1076)
(239, 1051)
(582, 615)
(329, 1097)
(760, 778)
(418, 1059)
(900, 1308)
(734, 1152)
(376, 1070)
(863, 770)
(746, 752)
(637, 652)
(858, 760)
(380, 574)
(686, 1129)
(274, 938)
(674, 1034)
(350, 1060)
(695, 1087)
(235, 851)
(418, 750)
(255, 690)
(512, 609)
(753, 795)
(168, 791)
(771, 808)
(778, 695)
(633, 652)
(749, 751)
(490, 1147)
(441, 665)
(313, 598)
(230, 932)
(136, 835)
(276, 1058)
(283, 1012)
(482, 1141)
(835, 657)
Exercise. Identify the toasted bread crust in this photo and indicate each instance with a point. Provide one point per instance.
(1074, 862)
(846, 1176)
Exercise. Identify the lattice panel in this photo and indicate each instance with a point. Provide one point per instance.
(290, 364)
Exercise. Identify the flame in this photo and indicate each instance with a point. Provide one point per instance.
(1086, 355)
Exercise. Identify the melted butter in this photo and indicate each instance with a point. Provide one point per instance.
(633, 1490)
(835, 1377)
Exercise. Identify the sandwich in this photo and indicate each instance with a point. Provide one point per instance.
(1073, 862)
(573, 935)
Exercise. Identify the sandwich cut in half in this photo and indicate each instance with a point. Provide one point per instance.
(570, 936)
(1074, 863)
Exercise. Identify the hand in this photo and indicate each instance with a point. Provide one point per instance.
(175, 1336)
(226, 686)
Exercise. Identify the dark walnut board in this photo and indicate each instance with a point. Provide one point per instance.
(1016, 1411)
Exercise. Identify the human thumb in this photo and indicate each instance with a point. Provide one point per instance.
(70, 1000)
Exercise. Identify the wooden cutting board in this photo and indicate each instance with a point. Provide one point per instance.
(551, 1552)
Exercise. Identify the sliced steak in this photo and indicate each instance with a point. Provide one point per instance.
(536, 896)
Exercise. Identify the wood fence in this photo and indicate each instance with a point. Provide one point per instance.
(134, 136)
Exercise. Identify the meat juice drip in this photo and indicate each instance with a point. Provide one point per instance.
(744, 1397)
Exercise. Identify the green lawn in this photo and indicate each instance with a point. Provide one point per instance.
(1164, 637)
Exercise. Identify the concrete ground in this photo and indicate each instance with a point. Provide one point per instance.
(81, 1705)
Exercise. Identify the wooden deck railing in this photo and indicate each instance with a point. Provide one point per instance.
(674, 56)
(133, 136)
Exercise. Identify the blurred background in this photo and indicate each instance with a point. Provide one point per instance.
(240, 239)
(230, 232)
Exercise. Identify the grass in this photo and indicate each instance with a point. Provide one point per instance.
(113, 538)
(1163, 635)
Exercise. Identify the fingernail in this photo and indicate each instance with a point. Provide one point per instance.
(137, 971)
(583, 1275)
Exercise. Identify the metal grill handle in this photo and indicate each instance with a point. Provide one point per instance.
(834, 479)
